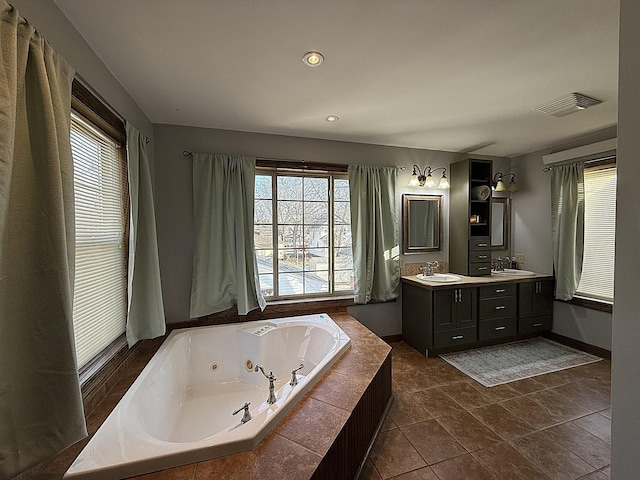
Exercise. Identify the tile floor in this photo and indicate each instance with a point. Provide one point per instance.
(443, 425)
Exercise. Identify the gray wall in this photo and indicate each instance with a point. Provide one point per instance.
(532, 237)
(175, 209)
(63, 36)
(625, 428)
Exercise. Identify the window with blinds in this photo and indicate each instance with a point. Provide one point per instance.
(596, 281)
(100, 290)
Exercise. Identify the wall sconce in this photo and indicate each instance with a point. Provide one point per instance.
(499, 186)
(425, 179)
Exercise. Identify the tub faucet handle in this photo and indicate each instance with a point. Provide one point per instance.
(294, 377)
(246, 416)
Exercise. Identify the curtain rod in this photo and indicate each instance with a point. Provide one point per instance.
(187, 153)
(606, 159)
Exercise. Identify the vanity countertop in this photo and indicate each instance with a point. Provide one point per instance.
(466, 281)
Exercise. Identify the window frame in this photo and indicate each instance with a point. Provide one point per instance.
(275, 168)
(583, 300)
(94, 110)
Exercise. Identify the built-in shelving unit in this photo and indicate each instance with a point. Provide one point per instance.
(470, 217)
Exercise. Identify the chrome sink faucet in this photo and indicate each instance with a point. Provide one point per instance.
(427, 270)
(272, 398)
(499, 264)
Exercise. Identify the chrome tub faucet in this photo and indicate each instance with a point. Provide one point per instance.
(272, 398)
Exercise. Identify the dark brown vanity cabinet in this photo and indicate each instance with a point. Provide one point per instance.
(535, 306)
(498, 311)
(470, 217)
(441, 318)
(455, 317)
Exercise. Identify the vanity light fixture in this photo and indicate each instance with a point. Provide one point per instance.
(313, 59)
(499, 186)
(424, 178)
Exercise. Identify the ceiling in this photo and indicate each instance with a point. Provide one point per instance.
(455, 75)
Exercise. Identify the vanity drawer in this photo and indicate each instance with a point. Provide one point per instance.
(479, 243)
(497, 328)
(535, 324)
(476, 269)
(479, 257)
(451, 338)
(498, 307)
(499, 290)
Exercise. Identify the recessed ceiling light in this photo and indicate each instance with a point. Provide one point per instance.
(313, 59)
(332, 118)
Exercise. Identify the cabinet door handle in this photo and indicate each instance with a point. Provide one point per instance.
(481, 268)
(500, 328)
(457, 337)
(501, 290)
(537, 324)
(482, 244)
(501, 307)
(482, 257)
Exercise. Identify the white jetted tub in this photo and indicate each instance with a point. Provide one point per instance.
(180, 409)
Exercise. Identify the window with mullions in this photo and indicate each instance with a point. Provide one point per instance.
(303, 234)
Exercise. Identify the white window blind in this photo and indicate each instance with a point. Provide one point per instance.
(100, 290)
(600, 224)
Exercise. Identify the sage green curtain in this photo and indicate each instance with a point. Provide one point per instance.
(40, 401)
(145, 316)
(567, 208)
(374, 232)
(225, 271)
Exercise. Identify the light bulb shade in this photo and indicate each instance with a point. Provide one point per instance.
(444, 182)
(512, 186)
(413, 181)
(429, 182)
(500, 186)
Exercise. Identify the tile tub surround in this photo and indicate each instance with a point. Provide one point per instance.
(310, 442)
(443, 425)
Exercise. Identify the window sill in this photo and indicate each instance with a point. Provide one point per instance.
(94, 376)
(590, 303)
(287, 301)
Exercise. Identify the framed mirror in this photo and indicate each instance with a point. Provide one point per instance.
(422, 225)
(500, 216)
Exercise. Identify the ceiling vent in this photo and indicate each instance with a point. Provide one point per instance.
(571, 103)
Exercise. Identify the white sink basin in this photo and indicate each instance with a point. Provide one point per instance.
(438, 277)
(514, 272)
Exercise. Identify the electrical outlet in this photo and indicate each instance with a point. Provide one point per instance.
(519, 258)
